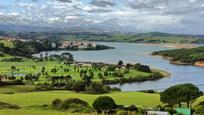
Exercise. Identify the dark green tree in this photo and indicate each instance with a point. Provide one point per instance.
(104, 104)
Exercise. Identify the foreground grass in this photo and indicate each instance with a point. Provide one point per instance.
(41, 98)
(31, 102)
(36, 112)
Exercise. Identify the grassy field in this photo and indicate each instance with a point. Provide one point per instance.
(31, 102)
(7, 43)
(125, 98)
(26, 67)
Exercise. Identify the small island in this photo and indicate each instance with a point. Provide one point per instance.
(184, 56)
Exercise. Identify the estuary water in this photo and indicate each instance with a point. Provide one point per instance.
(140, 53)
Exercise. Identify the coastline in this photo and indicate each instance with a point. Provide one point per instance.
(197, 63)
(171, 45)
(139, 79)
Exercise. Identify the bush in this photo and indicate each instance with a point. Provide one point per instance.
(199, 109)
(201, 103)
(66, 104)
(9, 93)
(131, 108)
(18, 81)
(171, 110)
(56, 103)
(78, 86)
(104, 103)
(8, 106)
(72, 104)
(96, 88)
(148, 91)
(115, 89)
(107, 88)
(121, 112)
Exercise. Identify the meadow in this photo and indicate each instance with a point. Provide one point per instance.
(28, 66)
(31, 103)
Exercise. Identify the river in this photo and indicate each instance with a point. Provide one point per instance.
(140, 53)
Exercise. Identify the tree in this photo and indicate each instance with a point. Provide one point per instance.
(180, 93)
(104, 103)
(67, 56)
(43, 70)
(13, 68)
(96, 88)
(105, 73)
(91, 74)
(120, 63)
(100, 75)
(87, 79)
(189, 92)
(54, 70)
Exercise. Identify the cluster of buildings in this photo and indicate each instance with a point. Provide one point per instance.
(77, 44)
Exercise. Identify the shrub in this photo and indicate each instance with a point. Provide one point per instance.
(131, 108)
(78, 86)
(121, 112)
(56, 103)
(107, 88)
(199, 109)
(148, 91)
(9, 93)
(104, 103)
(96, 88)
(8, 106)
(171, 110)
(68, 103)
(73, 105)
(201, 103)
(18, 81)
(115, 89)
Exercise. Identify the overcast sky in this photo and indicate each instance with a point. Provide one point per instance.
(175, 16)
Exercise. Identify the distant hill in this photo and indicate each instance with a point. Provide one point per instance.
(97, 34)
(22, 28)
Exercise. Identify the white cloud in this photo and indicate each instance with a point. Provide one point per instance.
(137, 14)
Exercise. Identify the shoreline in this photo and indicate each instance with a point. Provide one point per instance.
(170, 45)
(197, 63)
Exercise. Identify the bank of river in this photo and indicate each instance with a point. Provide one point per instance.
(140, 53)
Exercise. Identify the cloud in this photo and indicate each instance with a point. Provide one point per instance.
(67, 1)
(178, 7)
(131, 15)
(103, 3)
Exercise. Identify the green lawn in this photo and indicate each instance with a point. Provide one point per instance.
(31, 102)
(40, 98)
(26, 67)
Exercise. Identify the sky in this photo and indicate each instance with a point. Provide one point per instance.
(173, 16)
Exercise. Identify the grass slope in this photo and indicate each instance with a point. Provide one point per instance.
(30, 102)
(125, 98)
